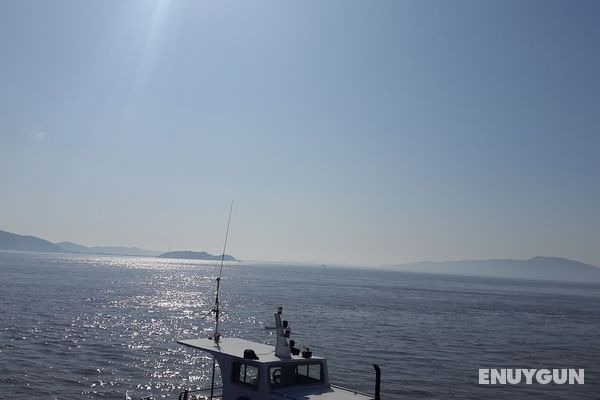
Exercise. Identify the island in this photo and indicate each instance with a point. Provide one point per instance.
(537, 268)
(13, 241)
(195, 255)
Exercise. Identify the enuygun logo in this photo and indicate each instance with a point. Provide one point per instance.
(513, 376)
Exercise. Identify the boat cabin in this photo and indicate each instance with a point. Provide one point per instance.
(256, 371)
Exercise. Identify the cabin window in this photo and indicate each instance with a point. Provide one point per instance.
(310, 372)
(295, 374)
(245, 373)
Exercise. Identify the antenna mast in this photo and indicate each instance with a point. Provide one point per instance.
(217, 335)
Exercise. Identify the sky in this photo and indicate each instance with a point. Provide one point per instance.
(347, 132)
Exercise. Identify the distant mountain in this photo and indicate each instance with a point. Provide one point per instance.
(12, 241)
(540, 268)
(71, 247)
(195, 255)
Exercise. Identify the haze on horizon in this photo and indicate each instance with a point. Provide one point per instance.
(346, 132)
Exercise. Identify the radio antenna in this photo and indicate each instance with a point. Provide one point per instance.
(216, 310)
(217, 335)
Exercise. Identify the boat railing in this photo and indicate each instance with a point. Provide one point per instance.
(202, 394)
(352, 391)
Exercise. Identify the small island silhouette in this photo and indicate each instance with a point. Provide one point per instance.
(195, 255)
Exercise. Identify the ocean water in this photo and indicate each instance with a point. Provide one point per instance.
(88, 327)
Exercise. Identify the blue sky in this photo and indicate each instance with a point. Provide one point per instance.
(345, 131)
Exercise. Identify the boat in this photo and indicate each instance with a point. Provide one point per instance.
(256, 371)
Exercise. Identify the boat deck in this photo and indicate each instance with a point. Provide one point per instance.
(332, 392)
(235, 347)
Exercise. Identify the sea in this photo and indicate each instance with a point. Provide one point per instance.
(91, 327)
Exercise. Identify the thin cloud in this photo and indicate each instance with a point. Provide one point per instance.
(38, 136)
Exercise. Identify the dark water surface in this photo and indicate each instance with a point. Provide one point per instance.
(83, 327)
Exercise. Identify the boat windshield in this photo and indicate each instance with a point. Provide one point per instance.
(296, 374)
